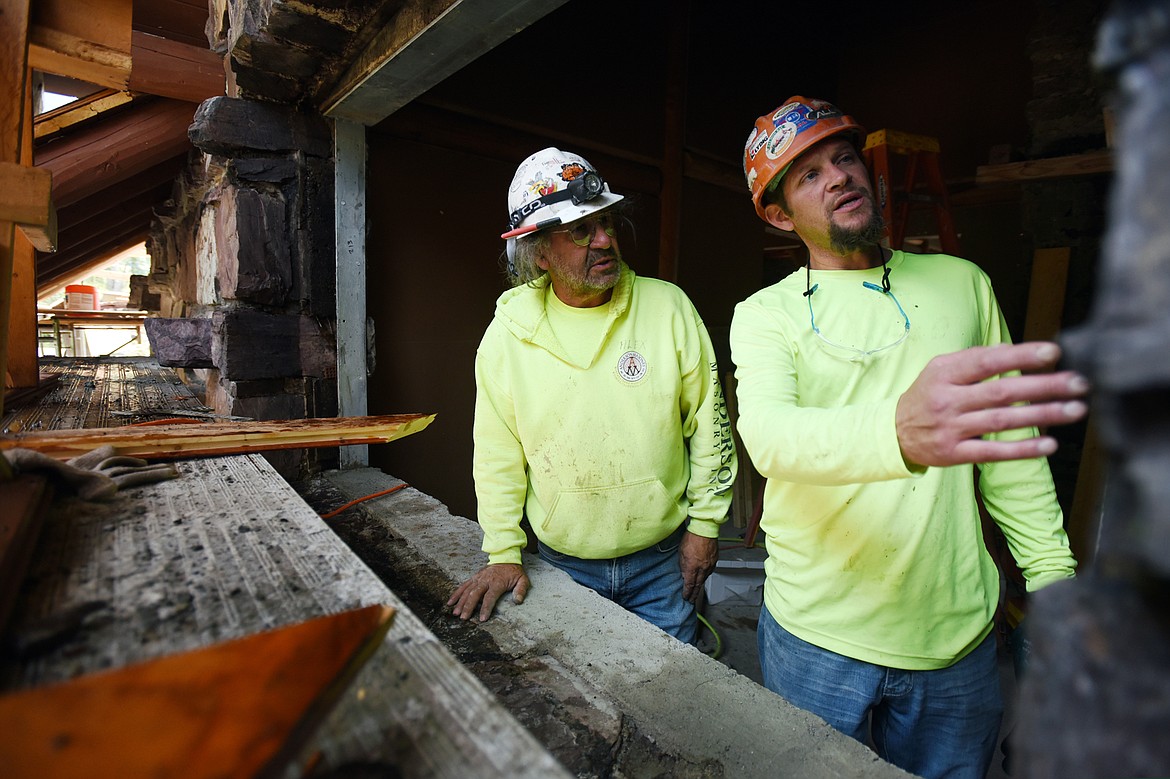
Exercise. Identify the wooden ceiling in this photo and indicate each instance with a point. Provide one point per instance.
(116, 153)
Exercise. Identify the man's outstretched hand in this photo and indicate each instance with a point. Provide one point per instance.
(942, 417)
(486, 587)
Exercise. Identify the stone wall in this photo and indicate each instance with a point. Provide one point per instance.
(245, 244)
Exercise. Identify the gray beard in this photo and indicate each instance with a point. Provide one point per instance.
(845, 241)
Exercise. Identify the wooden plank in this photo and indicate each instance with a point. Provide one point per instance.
(93, 46)
(1046, 293)
(228, 549)
(349, 182)
(427, 41)
(1087, 164)
(14, 21)
(91, 390)
(80, 110)
(239, 708)
(169, 69)
(26, 198)
(163, 442)
(1085, 515)
(22, 316)
(53, 51)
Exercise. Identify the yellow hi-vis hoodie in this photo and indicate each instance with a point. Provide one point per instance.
(610, 454)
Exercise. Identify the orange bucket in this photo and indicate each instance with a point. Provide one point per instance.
(81, 297)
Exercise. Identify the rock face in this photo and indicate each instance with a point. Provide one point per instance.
(1096, 698)
(243, 250)
(245, 253)
(180, 343)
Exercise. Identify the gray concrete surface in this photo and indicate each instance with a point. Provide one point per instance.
(600, 670)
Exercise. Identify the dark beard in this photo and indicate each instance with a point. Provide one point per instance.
(845, 241)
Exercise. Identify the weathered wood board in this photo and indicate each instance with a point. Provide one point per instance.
(226, 550)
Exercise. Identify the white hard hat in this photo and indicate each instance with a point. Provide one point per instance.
(554, 187)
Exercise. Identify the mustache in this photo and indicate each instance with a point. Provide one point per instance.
(599, 255)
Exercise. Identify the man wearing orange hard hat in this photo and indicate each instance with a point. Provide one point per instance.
(863, 392)
(599, 416)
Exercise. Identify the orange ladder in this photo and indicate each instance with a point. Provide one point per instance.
(922, 157)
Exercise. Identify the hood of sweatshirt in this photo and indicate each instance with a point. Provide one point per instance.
(521, 310)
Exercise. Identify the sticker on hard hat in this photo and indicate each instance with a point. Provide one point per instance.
(754, 148)
(780, 139)
(542, 186)
(782, 111)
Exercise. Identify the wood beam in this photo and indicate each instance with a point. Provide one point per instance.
(1087, 164)
(23, 364)
(93, 46)
(79, 110)
(14, 22)
(1046, 292)
(427, 41)
(26, 198)
(179, 441)
(169, 69)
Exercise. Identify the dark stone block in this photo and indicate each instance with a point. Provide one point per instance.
(141, 297)
(306, 29)
(276, 57)
(313, 250)
(180, 343)
(254, 388)
(249, 344)
(263, 170)
(261, 269)
(231, 127)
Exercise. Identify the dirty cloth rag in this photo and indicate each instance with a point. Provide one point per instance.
(95, 475)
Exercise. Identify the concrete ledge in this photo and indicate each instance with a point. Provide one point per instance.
(615, 675)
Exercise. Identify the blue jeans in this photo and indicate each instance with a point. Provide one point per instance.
(647, 583)
(941, 723)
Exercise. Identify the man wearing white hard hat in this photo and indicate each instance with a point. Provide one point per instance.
(862, 382)
(599, 415)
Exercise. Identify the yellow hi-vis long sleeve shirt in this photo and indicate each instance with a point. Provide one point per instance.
(609, 443)
(865, 558)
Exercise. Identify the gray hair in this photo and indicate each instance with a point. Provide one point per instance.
(521, 268)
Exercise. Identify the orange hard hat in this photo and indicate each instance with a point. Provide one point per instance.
(781, 136)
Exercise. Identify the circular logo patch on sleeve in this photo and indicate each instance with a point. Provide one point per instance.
(631, 367)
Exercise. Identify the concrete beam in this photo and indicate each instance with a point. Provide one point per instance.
(605, 671)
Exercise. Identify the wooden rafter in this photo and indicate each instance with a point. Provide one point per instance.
(177, 441)
(118, 149)
(93, 46)
(14, 20)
